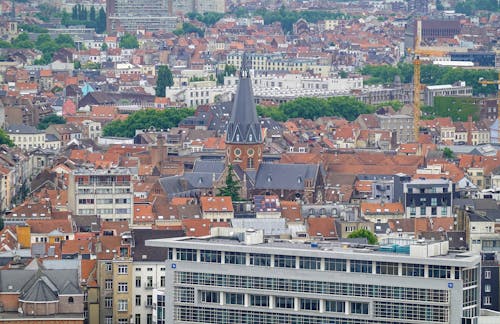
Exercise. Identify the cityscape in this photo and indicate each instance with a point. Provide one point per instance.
(254, 162)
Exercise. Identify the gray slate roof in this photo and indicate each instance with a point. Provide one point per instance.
(244, 126)
(22, 129)
(285, 176)
(41, 290)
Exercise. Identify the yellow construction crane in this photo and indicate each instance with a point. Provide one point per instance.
(417, 51)
(495, 82)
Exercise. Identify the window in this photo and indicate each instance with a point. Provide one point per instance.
(109, 266)
(284, 261)
(487, 288)
(361, 266)
(137, 300)
(309, 304)
(122, 287)
(422, 210)
(434, 201)
(149, 300)
(138, 281)
(436, 271)
(108, 284)
(123, 321)
(149, 318)
(162, 281)
(487, 300)
(263, 260)
(149, 269)
(284, 302)
(389, 268)
(70, 300)
(359, 308)
(186, 254)
(122, 305)
(108, 302)
(334, 306)
(137, 319)
(259, 300)
(149, 282)
(487, 274)
(235, 298)
(235, 258)
(209, 296)
(210, 256)
(309, 263)
(413, 270)
(122, 269)
(335, 265)
(108, 320)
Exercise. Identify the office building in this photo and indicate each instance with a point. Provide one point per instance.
(241, 278)
(107, 193)
(130, 16)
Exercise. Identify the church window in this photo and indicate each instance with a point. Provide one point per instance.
(250, 152)
(237, 152)
(250, 163)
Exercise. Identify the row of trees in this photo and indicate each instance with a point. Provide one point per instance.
(160, 119)
(313, 108)
(469, 7)
(208, 18)
(43, 43)
(80, 15)
(431, 75)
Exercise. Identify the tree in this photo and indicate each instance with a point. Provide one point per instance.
(229, 70)
(439, 5)
(5, 139)
(372, 239)
(164, 79)
(104, 47)
(50, 120)
(100, 26)
(232, 187)
(92, 14)
(448, 153)
(22, 41)
(129, 41)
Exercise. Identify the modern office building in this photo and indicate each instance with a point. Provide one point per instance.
(107, 193)
(244, 279)
(130, 16)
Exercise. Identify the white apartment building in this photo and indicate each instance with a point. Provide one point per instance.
(246, 279)
(26, 137)
(282, 87)
(108, 193)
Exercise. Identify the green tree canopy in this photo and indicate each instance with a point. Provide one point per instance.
(188, 28)
(164, 79)
(22, 41)
(50, 120)
(448, 153)
(5, 139)
(372, 239)
(144, 119)
(129, 41)
(232, 188)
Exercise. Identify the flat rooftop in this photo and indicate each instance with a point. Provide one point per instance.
(332, 249)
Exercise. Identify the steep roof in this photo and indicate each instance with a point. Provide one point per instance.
(244, 126)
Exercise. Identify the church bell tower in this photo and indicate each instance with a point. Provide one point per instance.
(244, 140)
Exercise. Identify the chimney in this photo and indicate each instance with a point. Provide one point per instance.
(469, 130)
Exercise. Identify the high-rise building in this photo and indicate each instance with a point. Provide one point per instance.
(107, 193)
(130, 16)
(241, 278)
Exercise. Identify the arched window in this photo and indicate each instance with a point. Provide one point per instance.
(70, 300)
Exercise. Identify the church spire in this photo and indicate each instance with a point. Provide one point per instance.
(244, 126)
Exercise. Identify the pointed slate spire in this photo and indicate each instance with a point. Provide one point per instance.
(244, 126)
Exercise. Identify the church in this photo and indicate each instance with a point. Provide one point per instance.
(245, 153)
